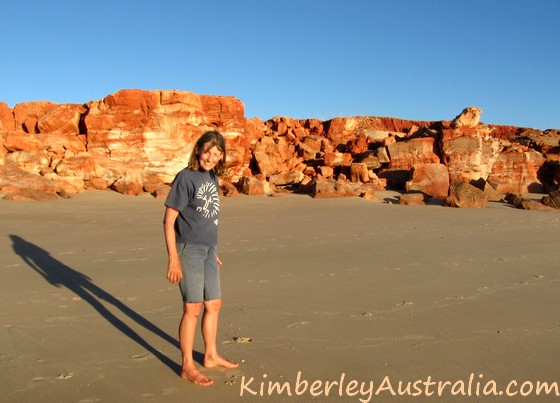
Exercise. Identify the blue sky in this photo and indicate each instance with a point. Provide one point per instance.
(411, 59)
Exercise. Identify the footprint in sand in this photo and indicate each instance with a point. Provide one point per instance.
(450, 298)
(298, 324)
(148, 395)
(242, 340)
(404, 303)
(142, 357)
(170, 391)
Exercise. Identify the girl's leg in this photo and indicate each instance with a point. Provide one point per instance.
(187, 330)
(209, 333)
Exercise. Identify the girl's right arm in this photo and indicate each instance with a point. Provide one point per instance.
(174, 271)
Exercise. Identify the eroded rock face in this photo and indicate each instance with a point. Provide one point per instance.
(28, 114)
(430, 179)
(469, 154)
(129, 141)
(157, 129)
(517, 171)
(135, 141)
(406, 154)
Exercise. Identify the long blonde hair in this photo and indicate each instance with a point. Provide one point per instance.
(213, 139)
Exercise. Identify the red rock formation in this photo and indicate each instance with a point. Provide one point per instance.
(62, 119)
(28, 114)
(516, 171)
(252, 185)
(406, 154)
(470, 117)
(469, 154)
(430, 179)
(157, 129)
(7, 122)
(530, 204)
(326, 188)
(135, 141)
(463, 194)
(412, 199)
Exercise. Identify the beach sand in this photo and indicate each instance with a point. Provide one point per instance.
(334, 290)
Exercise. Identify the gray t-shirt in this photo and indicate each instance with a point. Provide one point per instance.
(195, 195)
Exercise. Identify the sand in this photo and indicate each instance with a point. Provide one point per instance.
(339, 292)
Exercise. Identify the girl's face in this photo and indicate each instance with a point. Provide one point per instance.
(209, 156)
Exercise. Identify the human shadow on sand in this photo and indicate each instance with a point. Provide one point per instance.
(60, 275)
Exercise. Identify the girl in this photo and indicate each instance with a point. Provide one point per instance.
(191, 233)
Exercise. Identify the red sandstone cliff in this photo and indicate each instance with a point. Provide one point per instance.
(135, 141)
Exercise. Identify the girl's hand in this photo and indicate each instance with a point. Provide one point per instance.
(219, 261)
(174, 272)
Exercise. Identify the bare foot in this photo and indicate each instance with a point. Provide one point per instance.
(219, 361)
(195, 376)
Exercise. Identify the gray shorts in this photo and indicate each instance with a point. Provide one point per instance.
(201, 275)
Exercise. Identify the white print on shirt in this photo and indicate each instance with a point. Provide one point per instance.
(209, 193)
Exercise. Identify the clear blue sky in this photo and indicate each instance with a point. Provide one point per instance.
(412, 59)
